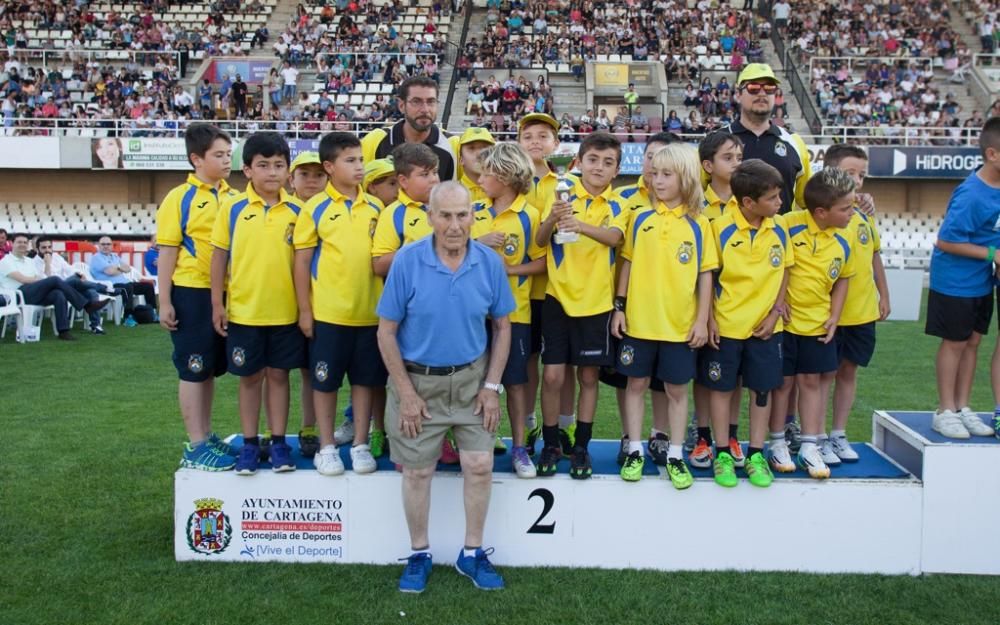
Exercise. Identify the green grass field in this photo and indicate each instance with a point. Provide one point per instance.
(92, 437)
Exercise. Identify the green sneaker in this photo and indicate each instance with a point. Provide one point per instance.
(377, 442)
(758, 471)
(632, 469)
(725, 470)
(499, 447)
(534, 434)
(206, 457)
(680, 476)
(221, 445)
(567, 439)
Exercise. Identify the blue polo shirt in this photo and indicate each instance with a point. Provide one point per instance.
(442, 314)
(99, 263)
(973, 216)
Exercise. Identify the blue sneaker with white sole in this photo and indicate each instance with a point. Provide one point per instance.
(206, 457)
(479, 569)
(248, 461)
(415, 574)
(281, 458)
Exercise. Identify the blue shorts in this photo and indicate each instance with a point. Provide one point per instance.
(251, 348)
(336, 351)
(536, 326)
(199, 352)
(611, 377)
(756, 361)
(805, 354)
(516, 370)
(674, 363)
(856, 343)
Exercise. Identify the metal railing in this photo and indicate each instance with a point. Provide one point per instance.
(237, 128)
(64, 56)
(904, 135)
(864, 62)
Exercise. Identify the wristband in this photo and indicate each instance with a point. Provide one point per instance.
(619, 303)
(991, 252)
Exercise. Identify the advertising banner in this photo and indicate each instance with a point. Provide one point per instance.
(923, 162)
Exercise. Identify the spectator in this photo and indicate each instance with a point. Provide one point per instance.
(107, 266)
(640, 123)
(5, 245)
(290, 76)
(151, 258)
(240, 96)
(48, 263)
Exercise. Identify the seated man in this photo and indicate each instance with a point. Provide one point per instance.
(640, 123)
(48, 263)
(106, 266)
(19, 272)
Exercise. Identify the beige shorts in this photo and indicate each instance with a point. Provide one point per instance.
(451, 400)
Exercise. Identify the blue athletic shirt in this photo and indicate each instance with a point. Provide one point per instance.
(973, 216)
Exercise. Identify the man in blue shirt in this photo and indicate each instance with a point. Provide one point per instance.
(438, 296)
(106, 266)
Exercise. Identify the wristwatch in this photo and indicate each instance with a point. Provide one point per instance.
(496, 388)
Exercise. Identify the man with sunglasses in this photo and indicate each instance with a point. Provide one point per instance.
(785, 151)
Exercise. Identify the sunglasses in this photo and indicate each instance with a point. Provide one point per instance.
(755, 88)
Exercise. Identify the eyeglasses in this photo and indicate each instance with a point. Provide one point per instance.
(754, 88)
(418, 103)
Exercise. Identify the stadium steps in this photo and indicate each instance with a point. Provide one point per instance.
(967, 31)
(279, 20)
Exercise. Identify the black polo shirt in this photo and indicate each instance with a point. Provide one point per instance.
(777, 148)
(390, 138)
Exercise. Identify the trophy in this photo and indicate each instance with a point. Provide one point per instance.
(560, 162)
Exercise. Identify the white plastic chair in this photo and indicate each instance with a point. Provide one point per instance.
(116, 310)
(29, 323)
(10, 309)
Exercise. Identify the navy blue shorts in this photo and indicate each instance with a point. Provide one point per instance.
(516, 370)
(756, 361)
(856, 343)
(536, 326)
(805, 354)
(251, 348)
(956, 318)
(199, 352)
(577, 341)
(674, 363)
(336, 351)
(611, 377)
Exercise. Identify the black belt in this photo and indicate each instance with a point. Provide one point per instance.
(415, 367)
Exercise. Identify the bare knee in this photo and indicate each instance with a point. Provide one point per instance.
(476, 463)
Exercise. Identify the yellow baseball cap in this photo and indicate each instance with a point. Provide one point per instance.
(537, 117)
(305, 158)
(476, 134)
(757, 71)
(378, 168)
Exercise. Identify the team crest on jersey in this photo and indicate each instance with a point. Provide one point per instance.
(685, 252)
(196, 364)
(781, 149)
(289, 233)
(371, 227)
(835, 267)
(208, 528)
(863, 233)
(239, 356)
(627, 355)
(510, 244)
(322, 371)
(776, 254)
(715, 371)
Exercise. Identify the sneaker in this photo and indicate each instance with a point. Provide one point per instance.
(679, 474)
(622, 451)
(567, 439)
(499, 447)
(377, 442)
(415, 574)
(206, 457)
(701, 456)
(632, 471)
(362, 460)
(579, 464)
(996, 424)
(842, 447)
(736, 451)
(130, 322)
(344, 435)
(249, 460)
(691, 440)
(973, 423)
(949, 424)
(479, 569)
(793, 436)
(826, 450)
(281, 458)
(725, 470)
(328, 462)
(534, 434)
(221, 445)
(265, 446)
(780, 457)
(656, 447)
(812, 461)
(308, 442)
(757, 470)
(523, 466)
(548, 463)
(449, 451)
(97, 330)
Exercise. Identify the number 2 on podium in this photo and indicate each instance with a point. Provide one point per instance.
(548, 500)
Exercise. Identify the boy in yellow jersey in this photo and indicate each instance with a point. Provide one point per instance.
(380, 182)
(577, 305)
(184, 233)
(867, 302)
(817, 287)
(538, 134)
(506, 175)
(253, 242)
(720, 154)
(754, 257)
(468, 146)
(663, 301)
(405, 220)
(337, 293)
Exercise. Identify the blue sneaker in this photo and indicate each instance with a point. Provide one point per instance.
(996, 423)
(248, 460)
(281, 458)
(130, 322)
(221, 445)
(418, 569)
(479, 569)
(206, 457)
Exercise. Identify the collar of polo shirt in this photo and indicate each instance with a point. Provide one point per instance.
(737, 127)
(741, 222)
(201, 184)
(428, 256)
(814, 228)
(580, 191)
(337, 196)
(677, 211)
(406, 200)
(283, 196)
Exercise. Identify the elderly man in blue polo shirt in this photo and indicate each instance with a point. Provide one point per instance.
(107, 266)
(438, 297)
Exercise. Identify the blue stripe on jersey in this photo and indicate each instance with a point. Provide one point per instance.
(186, 201)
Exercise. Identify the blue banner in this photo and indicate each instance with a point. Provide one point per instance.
(922, 162)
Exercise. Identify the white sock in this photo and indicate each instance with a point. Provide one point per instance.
(821, 437)
(529, 421)
(469, 553)
(566, 420)
(328, 449)
(634, 446)
(778, 436)
(675, 450)
(414, 552)
(838, 434)
(807, 446)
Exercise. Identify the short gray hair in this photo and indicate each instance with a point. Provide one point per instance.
(446, 189)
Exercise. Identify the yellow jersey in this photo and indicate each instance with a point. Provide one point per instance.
(715, 207)
(541, 195)
(404, 221)
(861, 305)
(822, 256)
